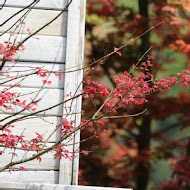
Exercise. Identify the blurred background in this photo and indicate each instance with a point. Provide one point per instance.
(150, 151)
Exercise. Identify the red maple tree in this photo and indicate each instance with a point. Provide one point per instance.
(125, 155)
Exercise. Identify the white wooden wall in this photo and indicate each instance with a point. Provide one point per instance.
(58, 46)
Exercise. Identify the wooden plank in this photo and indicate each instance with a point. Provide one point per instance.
(40, 48)
(43, 4)
(36, 186)
(47, 97)
(33, 81)
(80, 61)
(45, 126)
(47, 177)
(33, 21)
(47, 162)
(74, 59)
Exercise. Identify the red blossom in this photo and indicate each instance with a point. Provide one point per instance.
(58, 155)
(66, 126)
(22, 168)
(39, 158)
(84, 152)
(116, 50)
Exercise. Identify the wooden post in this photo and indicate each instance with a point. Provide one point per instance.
(68, 171)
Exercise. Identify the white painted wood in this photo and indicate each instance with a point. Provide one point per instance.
(80, 61)
(47, 177)
(47, 97)
(42, 49)
(47, 163)
(45, 126)
(34, 81)
(37, 186)
(33, 21)
(74, 60)
(43, 4)
(53, 49)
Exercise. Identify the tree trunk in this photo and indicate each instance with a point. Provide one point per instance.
(145, 39)
(144, 137)
(143, 166)
(188, 153)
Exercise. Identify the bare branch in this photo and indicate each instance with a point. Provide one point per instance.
(34, 2)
